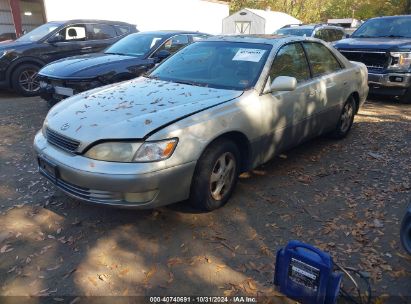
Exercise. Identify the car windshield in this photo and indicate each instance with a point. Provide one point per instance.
(39, 32)
(397, 27)
(295, 31)
(138, 45)
(216, 64)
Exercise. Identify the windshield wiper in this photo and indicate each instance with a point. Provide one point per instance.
(362, 36)
(392, 36)
(193, 83)
(114, 53)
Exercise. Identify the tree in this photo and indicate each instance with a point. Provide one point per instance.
(321, 10)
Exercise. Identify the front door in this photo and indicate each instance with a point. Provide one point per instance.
(74, 42)
(285, 113)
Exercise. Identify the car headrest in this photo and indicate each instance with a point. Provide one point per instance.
(72, 32)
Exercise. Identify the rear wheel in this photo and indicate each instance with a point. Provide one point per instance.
(346, 119)
(215, 176)
(24, 80)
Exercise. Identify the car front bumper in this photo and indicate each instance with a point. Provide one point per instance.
(390, 84)
(128, 185)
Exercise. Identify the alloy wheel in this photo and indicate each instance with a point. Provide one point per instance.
(222, 176)
(28, 81)
(346, 117)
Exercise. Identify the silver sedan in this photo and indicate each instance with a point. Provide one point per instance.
(216, 108)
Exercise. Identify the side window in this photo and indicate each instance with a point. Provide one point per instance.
(339, 35)
(174, 44)
(320, 34)
(122, 30)
(74, 32)
(199, 37)
(101, 31)
(291, 61)
(321, 59)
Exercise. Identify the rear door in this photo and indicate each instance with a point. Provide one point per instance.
(286, 113)
(331, 81)
(100, 36)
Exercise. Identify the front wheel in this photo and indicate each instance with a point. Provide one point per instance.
(216, 176)
(406, 231)
(24, 80)
(406, 98)
(346, 119)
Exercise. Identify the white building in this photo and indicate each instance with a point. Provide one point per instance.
(254, 21)
(195, 15)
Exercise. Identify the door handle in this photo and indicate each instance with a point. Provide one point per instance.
(330, 84)
(86, 48)
(312, 93)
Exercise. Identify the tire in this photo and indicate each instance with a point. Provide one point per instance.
(212, 186)
(346, 119)
(23, 79)
(406, 232)
(51, 102)
(406, 98)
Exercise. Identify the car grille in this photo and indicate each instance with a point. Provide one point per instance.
(61, 141)
(86, 194)
(374, 60)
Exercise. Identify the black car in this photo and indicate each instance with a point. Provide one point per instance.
(7, 37)
(383, 44)
(21, 59)
(126, 59)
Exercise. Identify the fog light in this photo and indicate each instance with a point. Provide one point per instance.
(140, 197)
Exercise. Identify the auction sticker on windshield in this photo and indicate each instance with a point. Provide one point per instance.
(253, 55)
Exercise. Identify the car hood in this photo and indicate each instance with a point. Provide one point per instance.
(87, 66)
(388, 44)
(131, 109)
(13, 45)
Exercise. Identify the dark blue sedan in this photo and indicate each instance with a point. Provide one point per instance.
(126, 59)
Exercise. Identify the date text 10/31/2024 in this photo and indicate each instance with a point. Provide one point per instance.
(238, 299)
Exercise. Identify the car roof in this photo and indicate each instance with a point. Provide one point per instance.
(265, 39)
(391, 17)
(313, 26)
(173, 32)
(93, 21)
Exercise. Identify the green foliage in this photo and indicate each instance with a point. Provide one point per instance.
(321, 10)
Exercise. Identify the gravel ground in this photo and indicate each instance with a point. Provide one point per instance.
(347, 197)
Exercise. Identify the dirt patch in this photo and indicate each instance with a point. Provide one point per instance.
(346, 196)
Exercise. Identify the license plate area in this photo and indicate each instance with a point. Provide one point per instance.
(48, 169)
(64, 91)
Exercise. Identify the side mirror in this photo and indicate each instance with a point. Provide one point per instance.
(161, 55)
(55, 39)
(282, 83)
(347, 35)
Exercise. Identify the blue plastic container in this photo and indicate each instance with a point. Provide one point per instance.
(305, 273)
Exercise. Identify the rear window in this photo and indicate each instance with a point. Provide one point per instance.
(295, 31)
(122, 29)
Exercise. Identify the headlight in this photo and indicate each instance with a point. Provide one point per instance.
(401, 60)
(44, 128)
(4, 53)
(155, 151)
(128, 152)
